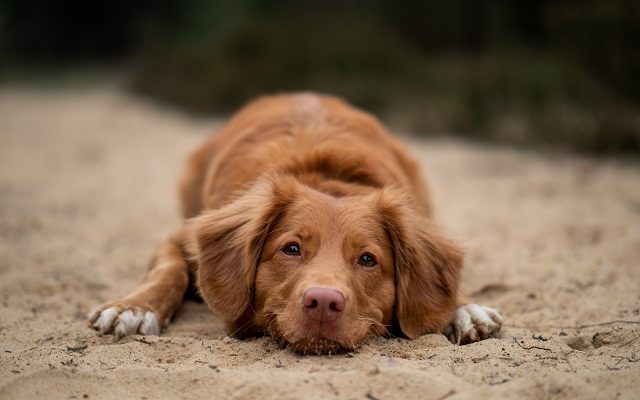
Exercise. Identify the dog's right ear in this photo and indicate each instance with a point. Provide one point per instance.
(226, 244)
(427, 267)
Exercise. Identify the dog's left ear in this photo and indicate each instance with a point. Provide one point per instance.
(226, 244)
(427, 267)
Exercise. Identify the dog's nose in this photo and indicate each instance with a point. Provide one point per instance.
(323, 304)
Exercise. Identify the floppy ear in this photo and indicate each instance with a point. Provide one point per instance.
(226, 244)
(427, 268)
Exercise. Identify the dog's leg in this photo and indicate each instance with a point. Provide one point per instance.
(153, 303)
(472, 323)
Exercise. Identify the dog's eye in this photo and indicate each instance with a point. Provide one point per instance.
(291, 249)
(367, 260)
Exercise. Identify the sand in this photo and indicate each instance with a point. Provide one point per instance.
(87, 189)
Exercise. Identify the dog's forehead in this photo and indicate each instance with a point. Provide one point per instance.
(334, 213)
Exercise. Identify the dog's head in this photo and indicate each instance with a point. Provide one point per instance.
(320, 272)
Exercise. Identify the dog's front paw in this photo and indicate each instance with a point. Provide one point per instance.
(124, 319)
(472, 323)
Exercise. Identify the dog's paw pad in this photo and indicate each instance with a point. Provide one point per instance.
(472, 323)
(124, 321)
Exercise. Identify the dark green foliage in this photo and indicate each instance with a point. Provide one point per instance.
(533, 72)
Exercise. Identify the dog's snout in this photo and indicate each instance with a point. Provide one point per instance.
(323, 304)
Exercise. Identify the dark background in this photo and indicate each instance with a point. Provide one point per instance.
(542, 73)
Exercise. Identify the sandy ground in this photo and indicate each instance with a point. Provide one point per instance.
(87, 182)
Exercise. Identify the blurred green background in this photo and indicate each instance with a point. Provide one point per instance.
(561, 74)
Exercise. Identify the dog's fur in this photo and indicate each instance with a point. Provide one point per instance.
(313, 171)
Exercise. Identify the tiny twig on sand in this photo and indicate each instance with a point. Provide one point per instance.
(617, 321)
(449, 393)
(623, 358)
(530, 347)
(628, 342)
(371, 396)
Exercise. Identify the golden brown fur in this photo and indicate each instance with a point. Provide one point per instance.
(314, 171)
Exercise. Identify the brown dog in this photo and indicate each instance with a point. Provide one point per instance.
(307, 221)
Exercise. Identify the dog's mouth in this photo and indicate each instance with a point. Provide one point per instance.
(314, 340)
(318, 346)
(311, 345)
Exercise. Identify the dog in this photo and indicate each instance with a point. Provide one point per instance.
(307, 221)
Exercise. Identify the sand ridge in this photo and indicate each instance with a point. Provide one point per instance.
(87, 190)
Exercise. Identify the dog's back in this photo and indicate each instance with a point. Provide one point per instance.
(324, 141)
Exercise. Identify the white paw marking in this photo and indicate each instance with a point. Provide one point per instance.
(124, 322)
(149, 325)
(472, 323)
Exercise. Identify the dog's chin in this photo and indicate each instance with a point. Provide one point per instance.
(311, 345)
(318, 346)
(316, 340)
